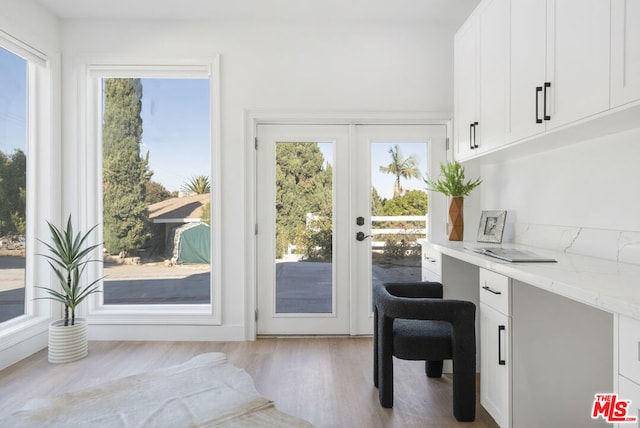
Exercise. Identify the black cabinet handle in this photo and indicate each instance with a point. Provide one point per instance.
(491, 290)
(538, 91)
(544, 108)
(471, 136)
(475, 140)
(501, 361)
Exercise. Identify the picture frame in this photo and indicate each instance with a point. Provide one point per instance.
(491, 226)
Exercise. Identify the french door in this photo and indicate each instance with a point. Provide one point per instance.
(323, 236)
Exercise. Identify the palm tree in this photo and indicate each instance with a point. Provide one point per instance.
(198, 184)
(400, 167)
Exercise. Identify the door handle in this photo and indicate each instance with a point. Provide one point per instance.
(360, 236)
(475, 140)
(471, 136)
(501, 361)
(538, 91)
(544, 107)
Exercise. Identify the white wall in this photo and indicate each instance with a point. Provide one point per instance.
(294, 66)
(581, 198)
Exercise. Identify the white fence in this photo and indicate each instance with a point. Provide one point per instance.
(397, 230)
(390, 231)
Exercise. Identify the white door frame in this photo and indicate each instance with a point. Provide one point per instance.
(252, 118)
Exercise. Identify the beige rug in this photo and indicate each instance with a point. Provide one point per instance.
(206, 391)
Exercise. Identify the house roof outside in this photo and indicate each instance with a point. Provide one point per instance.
(187, 209)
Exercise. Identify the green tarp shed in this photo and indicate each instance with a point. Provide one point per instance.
(192, 244)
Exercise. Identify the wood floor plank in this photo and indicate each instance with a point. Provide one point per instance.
(327, 381)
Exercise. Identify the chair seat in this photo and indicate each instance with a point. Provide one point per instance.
(422, 339)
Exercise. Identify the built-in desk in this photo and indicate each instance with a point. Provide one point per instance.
(566, 319)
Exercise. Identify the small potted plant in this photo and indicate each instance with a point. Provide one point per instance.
(452, 183)
(68, 257)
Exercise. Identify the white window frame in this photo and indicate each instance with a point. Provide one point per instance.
(43, 192)
(91, 74)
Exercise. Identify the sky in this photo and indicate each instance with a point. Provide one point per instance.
(176, 129)
(13, 102)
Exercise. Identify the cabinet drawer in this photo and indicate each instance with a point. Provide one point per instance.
(431, 261)
(629, 348)
(495, 290)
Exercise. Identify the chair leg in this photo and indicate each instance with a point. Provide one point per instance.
(464, 395)
(385, 361)
(375, 346)
(433, 368)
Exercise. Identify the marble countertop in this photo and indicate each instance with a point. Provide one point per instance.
(607, 285)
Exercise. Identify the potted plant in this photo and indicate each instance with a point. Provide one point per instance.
(452, 183)
(68, 257)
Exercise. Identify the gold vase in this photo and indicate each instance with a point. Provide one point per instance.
(456, 219)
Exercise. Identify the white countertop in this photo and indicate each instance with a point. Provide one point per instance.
(607, 285)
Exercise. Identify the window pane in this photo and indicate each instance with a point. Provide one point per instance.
(398, 209)
(304, 228)
(156, 173)
(13, 177)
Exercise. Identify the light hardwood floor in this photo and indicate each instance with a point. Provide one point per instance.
(326, 381)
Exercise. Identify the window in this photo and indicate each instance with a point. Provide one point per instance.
(13, 183)
(157, 186)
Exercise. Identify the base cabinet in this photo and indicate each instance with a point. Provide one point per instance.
(495, 362)
(495, 346)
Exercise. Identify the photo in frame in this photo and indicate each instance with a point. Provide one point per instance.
(491, 226)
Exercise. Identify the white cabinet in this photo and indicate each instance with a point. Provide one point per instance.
(431, 264)
(559, 63)
(480, 72)
(625, 52)
(629, 363)
(495, 346)
(527, 68)
(578, 57)
(465, 77)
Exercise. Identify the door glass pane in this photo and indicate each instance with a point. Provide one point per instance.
(13, 178)
(304, 227)
(156, 202)
(398, 209)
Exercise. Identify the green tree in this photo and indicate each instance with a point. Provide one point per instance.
(13, 185)
(303, 185)
(413, 202)
(125, 172)
(376, 202)
(198, 184)
(156, 192)
(401, 167)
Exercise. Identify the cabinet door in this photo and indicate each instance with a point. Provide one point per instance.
(628, 390)
(465, 81)
(527, 68)
(625, 51)
(578, 48)
(495, 361)
(493, 67)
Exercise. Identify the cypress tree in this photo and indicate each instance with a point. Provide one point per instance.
(125, 172)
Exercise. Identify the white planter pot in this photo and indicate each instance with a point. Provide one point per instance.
(68, 343)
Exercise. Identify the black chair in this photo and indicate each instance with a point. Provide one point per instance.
(413, 322)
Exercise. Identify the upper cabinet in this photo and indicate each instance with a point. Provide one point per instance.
(465, 76)
(578, 55)
(544, 69)
(480, 71)
(625, 51)
(559, 63)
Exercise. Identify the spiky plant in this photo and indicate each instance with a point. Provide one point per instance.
(452, 181)
(68, 258)
(198, 184)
